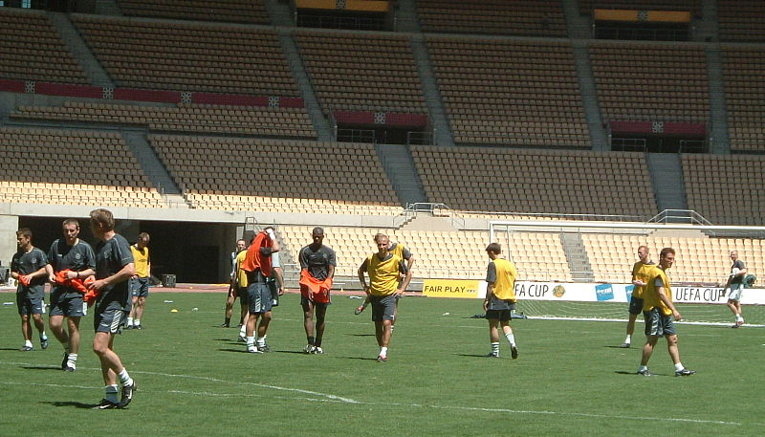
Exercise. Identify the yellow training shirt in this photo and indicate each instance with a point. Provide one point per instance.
(504, 286)
(651, 296)
(641, 271)
(240, 275)
(141, 260)
(383, 274)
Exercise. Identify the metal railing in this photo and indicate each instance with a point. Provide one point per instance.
(680, 216)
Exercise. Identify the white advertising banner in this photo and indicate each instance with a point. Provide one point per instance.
(597, 292)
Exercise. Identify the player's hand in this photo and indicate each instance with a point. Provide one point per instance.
(98, 285)
(281, 291)
(52, 279)
(677, 316)
(485, 305)
(71, 275)
(638, 282)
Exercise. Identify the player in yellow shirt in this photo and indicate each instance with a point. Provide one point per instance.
(237, 284)
(383, 269)
(139, 283)
(639, 279)
(659, 311)
(403, 252)
(500, 299)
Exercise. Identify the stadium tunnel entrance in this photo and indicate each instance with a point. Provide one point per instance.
(194, 252)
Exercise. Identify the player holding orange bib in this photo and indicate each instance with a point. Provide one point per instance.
(317, 264)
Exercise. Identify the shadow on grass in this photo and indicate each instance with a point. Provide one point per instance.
(472, 355)
(362, 335)
(359, 358)
(72, 404)
(619, 347)
(58, 368)
(241, 351)
(622, 372)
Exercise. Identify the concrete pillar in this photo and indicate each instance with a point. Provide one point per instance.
(9, 224)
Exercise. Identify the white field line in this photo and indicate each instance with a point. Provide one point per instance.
(330, 398)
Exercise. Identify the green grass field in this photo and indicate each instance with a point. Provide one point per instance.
(570, 379)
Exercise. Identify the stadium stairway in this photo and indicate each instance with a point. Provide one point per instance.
(589, 97)
(576, 256)
(280, 13)
(7, 105)
(706, 28)
(406, 17)
(320, 123)
(667, 178)
(152, 166)
(69, 35)
(577, 25)
(399, 166)
(443, 134)
(718, 131)
(107, 7)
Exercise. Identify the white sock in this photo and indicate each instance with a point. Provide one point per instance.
(137, 322)
(125, 379)
(739, 318)
(261, 341)
(251, 341)
(628, 340)
(243, 331)
(28, 343)
(111, 393)
(43, 336)
(130, 321)
(72, 358)
(495, 347)
(679, 366)
(384, 351)
(511, 338)
(642, 368)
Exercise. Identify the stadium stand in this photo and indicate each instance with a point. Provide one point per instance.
(726, 189)
(440, 254)
(184, 117)
(510, 92)
(218, 58)
(700, 260)
(741, 20)
(234, 11)
(527, 18)
(237, 174)
(500, 179)
(37, 164)
(31, 49)
(362, 72)
(651, 81)
(745, 96)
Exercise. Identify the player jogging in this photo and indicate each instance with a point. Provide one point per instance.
(383, 269)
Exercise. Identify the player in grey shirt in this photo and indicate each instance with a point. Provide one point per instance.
(28, 268)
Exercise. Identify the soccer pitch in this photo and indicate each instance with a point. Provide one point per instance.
(195, 379)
